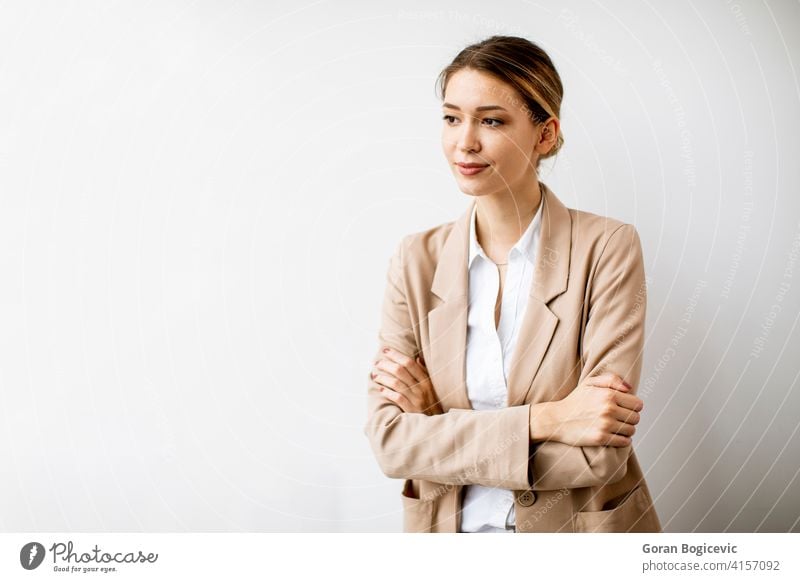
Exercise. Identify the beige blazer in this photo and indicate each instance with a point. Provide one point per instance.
(585, 316)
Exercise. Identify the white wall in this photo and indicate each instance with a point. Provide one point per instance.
(199, 200)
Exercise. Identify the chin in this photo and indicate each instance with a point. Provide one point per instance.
(472, 189)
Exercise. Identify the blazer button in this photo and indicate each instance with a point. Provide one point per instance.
(526, 498)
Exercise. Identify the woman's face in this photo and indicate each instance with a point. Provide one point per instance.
(485, 122)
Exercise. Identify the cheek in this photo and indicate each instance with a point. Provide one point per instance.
(449, 139)
(509, 155)
(445, 142)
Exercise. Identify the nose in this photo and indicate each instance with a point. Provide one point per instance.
(468, 137)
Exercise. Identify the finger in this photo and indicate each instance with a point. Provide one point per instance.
(403, 366)
(397, 398)
(626, 415)
(413, 371)
(624, 428)
(629, 401)
(400, 372)
(389, 381)
(616, 383)
(609, 381)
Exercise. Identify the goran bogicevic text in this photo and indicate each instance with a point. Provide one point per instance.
(697, 550)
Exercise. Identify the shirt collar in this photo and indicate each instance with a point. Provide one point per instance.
(525, 245)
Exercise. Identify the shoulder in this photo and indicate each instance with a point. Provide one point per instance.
(594, 227)
(423, 248)
(608, 253)
(593, 234)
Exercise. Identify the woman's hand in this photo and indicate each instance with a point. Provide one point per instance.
(405, 382)
(600, 411)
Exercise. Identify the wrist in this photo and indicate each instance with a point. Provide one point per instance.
(542, 422)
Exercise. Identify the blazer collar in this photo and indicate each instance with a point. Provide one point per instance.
(451, 280)
(526, 245)
(448, 320)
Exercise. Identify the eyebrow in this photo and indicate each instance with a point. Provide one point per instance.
(481, 108)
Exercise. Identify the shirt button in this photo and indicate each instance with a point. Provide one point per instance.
(526, 498)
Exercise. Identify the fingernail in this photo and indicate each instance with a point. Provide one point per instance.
(372, 375)
(385, 350)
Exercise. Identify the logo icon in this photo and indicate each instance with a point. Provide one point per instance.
(31, 555)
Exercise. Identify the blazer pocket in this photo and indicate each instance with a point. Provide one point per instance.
(417, 513)
(629, 514)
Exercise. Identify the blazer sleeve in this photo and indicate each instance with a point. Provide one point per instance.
(487, 447)
(613, 341)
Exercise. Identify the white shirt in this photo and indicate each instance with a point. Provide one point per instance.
(489, 351)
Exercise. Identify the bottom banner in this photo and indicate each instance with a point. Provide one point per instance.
(381, 557)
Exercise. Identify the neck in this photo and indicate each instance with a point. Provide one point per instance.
(502, 217)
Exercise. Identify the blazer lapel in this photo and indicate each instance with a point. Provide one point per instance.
(549, 280)
(447, 322)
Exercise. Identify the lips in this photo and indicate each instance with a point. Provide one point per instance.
(471, 169)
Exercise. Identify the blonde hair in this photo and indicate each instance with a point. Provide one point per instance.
(522, 64)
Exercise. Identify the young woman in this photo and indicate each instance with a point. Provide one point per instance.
(503, 390)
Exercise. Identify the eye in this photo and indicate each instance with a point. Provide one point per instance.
(492, 122)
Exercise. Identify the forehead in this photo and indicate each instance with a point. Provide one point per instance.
(469, 89)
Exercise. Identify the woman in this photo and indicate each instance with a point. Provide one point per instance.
(503, 391)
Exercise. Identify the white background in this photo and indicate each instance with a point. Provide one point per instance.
(199, 201)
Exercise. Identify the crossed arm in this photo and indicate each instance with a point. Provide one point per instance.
(493, 448)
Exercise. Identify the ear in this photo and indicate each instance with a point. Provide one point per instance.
(548, 136)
